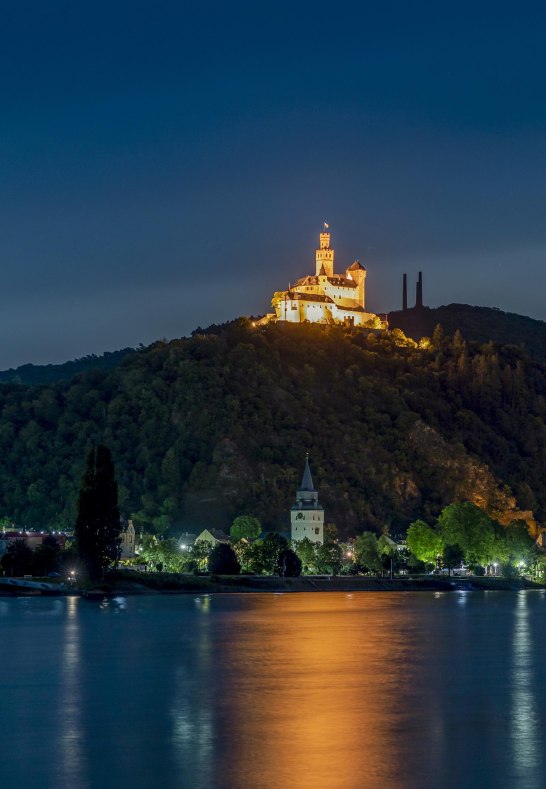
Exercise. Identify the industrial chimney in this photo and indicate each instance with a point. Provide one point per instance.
(419, 291)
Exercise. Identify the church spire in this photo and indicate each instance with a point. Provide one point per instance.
(307, 481)
(306, 514)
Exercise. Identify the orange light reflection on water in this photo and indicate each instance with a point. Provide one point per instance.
(317, 692)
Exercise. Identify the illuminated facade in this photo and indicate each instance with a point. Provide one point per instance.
(307, 515)
(127, 537)
(327, 297)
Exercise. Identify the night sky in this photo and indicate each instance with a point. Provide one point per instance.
(169, 164)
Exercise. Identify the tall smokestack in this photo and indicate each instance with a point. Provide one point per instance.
(419, 291)
(405, 293)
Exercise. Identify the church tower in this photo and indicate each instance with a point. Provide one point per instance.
(325, 256)
(307, 515)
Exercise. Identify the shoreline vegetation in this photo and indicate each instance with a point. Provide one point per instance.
(171, 583)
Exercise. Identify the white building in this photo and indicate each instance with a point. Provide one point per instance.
(307, 515)
(326, 297)
(212, 537)
(127, 536)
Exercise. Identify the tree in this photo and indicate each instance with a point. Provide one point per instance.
(329, 558)
(306, 550)
(257, 559)
(452, 557)
(277, 297)
(521, 546)
(223, 560)
(97, 529)
(388, 553)
(245, 554)
(331, 532)
(245, 527)
(424, 542)
(366, 552)
(438, 337)
(46, 557)
(163, 553)
(200, 552)
(18, 558)
(271, 549)
(290, 563)
(415, 565)
(470, 528)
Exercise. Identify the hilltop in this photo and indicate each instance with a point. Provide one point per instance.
(215, 425)
(479, 324)
(33, 374)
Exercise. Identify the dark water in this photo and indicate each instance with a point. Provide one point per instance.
(305, 690)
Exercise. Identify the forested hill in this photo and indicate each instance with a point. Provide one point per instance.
(33, 374)
(475, 323)
(209, 427)
(480, 324)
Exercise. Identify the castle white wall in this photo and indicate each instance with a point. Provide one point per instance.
(299, 310)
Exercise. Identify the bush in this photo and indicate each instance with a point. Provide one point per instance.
(289, 563)
(223, 560)
(509, 571)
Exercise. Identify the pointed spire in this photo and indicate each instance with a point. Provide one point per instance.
(307, 481)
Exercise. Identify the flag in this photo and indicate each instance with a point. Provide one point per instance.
(326, 226)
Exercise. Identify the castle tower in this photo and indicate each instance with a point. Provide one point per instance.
(324, 256)
(307, 515)
(357, 273)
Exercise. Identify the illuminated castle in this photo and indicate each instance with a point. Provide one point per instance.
(326, 297)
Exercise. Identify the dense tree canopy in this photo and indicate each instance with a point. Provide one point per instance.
(367, 552)
(223, 560)
(205, 428)
(469, 528)
(245, 527)
(424, 542)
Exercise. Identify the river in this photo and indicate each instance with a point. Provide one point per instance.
(409, 690)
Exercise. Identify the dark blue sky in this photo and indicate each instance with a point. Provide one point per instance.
(169, 164)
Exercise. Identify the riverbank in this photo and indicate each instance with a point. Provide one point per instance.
(131, 583)
(164, 583)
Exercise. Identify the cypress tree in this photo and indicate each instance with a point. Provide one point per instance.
(97, 529)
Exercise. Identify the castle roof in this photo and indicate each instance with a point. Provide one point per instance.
(293, 294)
(356, 266)
(309, 280)
(344, 282)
